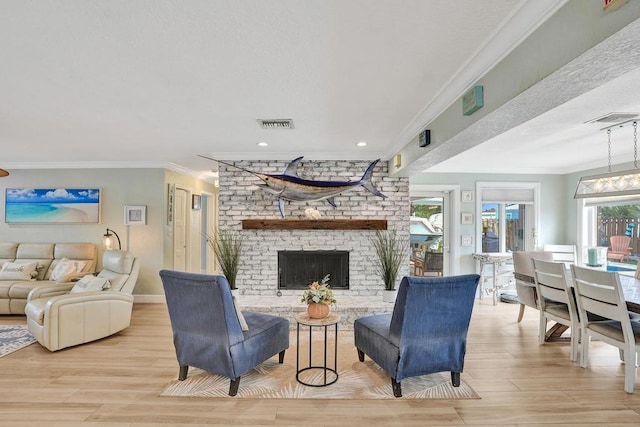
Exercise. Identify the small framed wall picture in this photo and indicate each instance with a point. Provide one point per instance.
(466, 218)
(171, 194)
(135, 215)
(466, 240)
(467, 196)
(196, 200)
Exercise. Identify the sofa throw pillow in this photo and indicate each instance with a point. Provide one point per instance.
(241, 319)
(65, 269)
(36, 272)
(28, 268)
(90, 283)
(15, 275)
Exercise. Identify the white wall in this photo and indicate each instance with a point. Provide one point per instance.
(553, 207)
(119, 187)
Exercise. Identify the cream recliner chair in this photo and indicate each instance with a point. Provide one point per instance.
(59, 319)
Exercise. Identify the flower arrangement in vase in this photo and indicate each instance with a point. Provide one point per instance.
(319, 297)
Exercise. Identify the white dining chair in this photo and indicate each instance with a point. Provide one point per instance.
(567, 254)
(599, 292)
(556, 301)
(523, 267)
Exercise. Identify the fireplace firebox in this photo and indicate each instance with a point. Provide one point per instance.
(296, 269)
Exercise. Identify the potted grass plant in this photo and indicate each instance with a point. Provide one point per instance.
(391, 250)
(227, 246)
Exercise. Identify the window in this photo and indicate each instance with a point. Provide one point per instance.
(613, 224)
(508, 216)
(507, 219)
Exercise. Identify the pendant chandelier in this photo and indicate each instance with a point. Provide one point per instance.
(623, 183)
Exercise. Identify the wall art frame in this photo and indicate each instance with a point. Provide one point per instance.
(135, 215)
(196, 202)
(466, 218)
(466, 196)
(171, 194)
(52, 205)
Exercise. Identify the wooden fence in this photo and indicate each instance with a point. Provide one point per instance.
(607, 227)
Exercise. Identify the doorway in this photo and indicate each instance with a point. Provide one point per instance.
(432, 230)
(509, 214)
(427, 236)
(503, 226)
(180, 227)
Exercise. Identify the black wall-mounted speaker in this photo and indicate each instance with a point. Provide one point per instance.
(425, 138)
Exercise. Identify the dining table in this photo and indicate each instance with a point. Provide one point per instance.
(630, 289)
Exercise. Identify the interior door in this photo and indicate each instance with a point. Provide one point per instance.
(180, 228)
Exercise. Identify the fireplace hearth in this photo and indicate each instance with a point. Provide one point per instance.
(296, 269)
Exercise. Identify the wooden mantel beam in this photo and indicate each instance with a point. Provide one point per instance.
(314, 224)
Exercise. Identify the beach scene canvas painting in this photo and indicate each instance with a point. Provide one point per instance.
(52, 205)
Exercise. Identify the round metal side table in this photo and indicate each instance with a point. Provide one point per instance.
(329, 375)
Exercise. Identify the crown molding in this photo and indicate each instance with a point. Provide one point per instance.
(85, 165)
(112, 165)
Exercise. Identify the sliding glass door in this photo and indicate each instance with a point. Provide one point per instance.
(427, 235)
(503, 226)
(508, 215)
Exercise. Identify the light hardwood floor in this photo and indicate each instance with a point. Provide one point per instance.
(116, 381)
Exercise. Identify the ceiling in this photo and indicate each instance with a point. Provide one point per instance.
(89, 83)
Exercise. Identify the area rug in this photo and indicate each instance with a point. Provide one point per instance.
(13, 338)
(357, 380)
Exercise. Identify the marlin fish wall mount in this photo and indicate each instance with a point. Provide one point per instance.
(289, 186)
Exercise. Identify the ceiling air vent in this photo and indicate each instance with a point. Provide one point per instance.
(275, 123)
(615, 118)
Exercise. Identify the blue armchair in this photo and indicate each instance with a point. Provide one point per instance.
(427, 331)
(207, 332)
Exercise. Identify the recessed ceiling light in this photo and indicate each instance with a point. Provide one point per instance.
(361, 144)
(262, 144)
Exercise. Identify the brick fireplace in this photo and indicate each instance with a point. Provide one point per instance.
(240, 199)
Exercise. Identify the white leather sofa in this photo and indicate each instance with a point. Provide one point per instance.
(70, 319)
(15, 289)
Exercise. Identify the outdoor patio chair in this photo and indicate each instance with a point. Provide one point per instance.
(619, 249)
(600, 293)
(427, 331)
